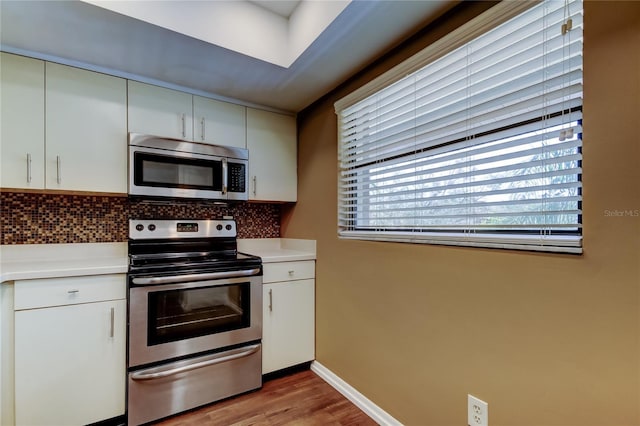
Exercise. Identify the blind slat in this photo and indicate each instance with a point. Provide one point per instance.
(506, 191)
(347, 160)
(439, 132)
(459, 122)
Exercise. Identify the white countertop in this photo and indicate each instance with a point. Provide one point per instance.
(31, 261)
(279, 249)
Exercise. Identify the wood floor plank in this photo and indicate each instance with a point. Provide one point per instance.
(300, 399)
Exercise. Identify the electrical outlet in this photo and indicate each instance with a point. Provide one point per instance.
(477, 412)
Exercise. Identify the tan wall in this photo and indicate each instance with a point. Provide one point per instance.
(546, 339)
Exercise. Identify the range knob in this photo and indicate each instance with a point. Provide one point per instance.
(219, 227)
(228, 227)
(139, 227)
(151, 227)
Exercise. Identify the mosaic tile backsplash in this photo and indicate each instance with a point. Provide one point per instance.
(31, 218)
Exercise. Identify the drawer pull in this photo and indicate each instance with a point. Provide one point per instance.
(58, 169)
(28, 168)
(113, 320)
(159, 372)
(73, 291)
(291, 273)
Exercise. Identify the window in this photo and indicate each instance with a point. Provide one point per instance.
(476, 145)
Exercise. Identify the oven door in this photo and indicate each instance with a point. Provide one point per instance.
(177, 319)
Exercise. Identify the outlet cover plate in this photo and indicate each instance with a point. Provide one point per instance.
(477, 412)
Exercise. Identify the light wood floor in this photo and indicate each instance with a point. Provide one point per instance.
(301, 398)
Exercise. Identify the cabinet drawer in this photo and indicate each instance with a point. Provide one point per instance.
(41, 293)
(288, 271)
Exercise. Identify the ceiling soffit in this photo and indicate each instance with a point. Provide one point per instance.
(249, 28)
(81, 34)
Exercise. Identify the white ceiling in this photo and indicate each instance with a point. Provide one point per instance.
(322, 54)
(283, 8)
(239, 25)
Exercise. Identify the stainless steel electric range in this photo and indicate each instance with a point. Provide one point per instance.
(194, 315)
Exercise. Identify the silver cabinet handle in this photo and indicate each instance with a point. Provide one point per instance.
(194, 277)
(202, 128)
(184, 126)
(58, 169)
(255, 184)
(74, 291)
(28, 168)
(225, 178)
(113, 320)
(159, 372)
(270, 300)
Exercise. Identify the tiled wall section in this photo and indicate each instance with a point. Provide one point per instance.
(29, 218)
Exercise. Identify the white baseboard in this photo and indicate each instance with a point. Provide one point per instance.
(362, 402)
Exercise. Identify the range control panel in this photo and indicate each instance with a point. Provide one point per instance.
(168, 229)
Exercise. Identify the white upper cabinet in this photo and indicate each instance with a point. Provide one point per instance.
(77, 117)
(158, 111)
(272, 144)
(86, 130)
(65, 128)
(22, 118)
(219, 123)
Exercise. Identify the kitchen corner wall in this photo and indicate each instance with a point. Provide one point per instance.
(37, 218)
(545, 339)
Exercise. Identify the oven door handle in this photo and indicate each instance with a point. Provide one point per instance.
(159, 373)
(171, 279)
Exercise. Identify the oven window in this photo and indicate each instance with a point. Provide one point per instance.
(176, 172)
(182, 314)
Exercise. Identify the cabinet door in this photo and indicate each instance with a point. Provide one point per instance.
(219, 123)
(86, 130)
(288, 335)
(158, 111)
(70, 364)
(272, 144)
(22, 118)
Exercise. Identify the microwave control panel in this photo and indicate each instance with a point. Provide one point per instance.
(237, 177)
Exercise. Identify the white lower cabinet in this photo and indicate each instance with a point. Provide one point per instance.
(288, 335)
(70, 337)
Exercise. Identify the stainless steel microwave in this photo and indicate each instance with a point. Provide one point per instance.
(164, 167)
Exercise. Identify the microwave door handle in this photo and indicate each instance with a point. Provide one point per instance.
(225, 177)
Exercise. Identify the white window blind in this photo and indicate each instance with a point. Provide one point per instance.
(479, 147)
